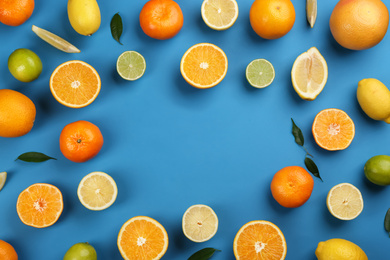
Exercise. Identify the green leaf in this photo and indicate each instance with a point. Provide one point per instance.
(296, 131)
(312, 167)
(116, 27)
(203, 254)
(34, 157)
(387, 221)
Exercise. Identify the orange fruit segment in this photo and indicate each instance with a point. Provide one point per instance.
(204, 65)
(333, 129)
(142, 238)
(40, 205)
(75, 84)
(261, 240)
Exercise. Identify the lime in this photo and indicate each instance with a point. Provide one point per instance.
(24, 65)
(3, 177)
(377, 170)
(260, 73)
(81, 251)
(131, 65)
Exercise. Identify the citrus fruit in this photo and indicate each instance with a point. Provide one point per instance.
(292, 186)
(97, 191)
(340, 249)
(344, 201)
(130, 65)
(272, 19)
(54, 40)
(309, 74)
(161, 19)
(17, 113)
(84, 16)
(7, 251)
(377, 169)
(16, 12)
(75, 84)
(142, 238)
(359, 24)
(260, 73)
(40, 205)
(81, 251)
(374, 99)
(24, 65)
(311, 12)
(3, 178)
(199, 223)
(333, 129)
(219, 15)
(259, 239)
(204, 65)
(80, 141)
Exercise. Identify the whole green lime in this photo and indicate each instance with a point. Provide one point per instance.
(81, 251)
(377, 170)
(24, 65)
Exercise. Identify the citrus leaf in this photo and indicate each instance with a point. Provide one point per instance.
(203, 254)
(312, 167)
(387, 221)
(297, 133)
(34, 157)
(116, 27)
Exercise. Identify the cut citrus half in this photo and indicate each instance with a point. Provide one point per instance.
(260, 73)
(3, 178)
(344, 201)
(309, 74)
(54, 40)
(131, 65)
(40, 205)
(204, 65)
(219, 14)
(259, 239)
(97, 191)
(142, 238)
(75, 84)
(333, 129)
(199, 223)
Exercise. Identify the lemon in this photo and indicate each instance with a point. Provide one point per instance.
(374, 98)
(219, 14)
(260, 73)
(377, 169)
(3, 178)
(84, 16)
(54, 40)
(309, 74)
(339, 249)
(131, 65)
(344, 201)
(200, 223)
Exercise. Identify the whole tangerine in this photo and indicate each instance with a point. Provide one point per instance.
(359, 24)
(80, 141)
(7, 251)
(161, 19)
(272, 19)
(16, 12)
(292, 186)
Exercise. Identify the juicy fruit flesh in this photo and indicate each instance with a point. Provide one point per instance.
(260, 73)
(219, 15)
(131, 65)
(339, 249)
(24, 65)
(377, 169)
(200, 223)
(81, 251)
(345, 202)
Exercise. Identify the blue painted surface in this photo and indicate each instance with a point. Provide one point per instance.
(169, 145)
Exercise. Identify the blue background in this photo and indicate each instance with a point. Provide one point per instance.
(169, 145)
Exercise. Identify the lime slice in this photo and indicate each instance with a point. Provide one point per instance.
(344, 201)
(131, 65)
(3, 177)
(219, 14)
(260, 73)
(200, 223)
(55, 40)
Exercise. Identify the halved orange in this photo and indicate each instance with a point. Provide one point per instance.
(333, 129)
(75, 84)
(261, 240)
(142, 238)
(40, 205)
(204, 65)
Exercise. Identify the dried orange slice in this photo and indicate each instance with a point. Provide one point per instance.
(204, 65)
(259, 239)
(40, 205)
(75, 84)
(333, 129)
(142, 238)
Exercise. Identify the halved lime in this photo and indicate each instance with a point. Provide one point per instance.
(3, 177)
(131, 65)
(260, 73)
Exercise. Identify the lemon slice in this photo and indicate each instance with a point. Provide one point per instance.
(54, 40)
(309, 74)
(219, 14)
(97, 191)
(3, 178)
(131, 65)
(344, 201)
(260, 73)
(200, 223)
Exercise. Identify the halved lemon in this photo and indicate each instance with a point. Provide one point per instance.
(219, 14)
(3, 178)
(309, 74)
(344, 201)
(200, 223)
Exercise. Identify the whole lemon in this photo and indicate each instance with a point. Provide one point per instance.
(377, 170)
(339, 249)
(17, 113)
(84, 16)
(374, 98)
